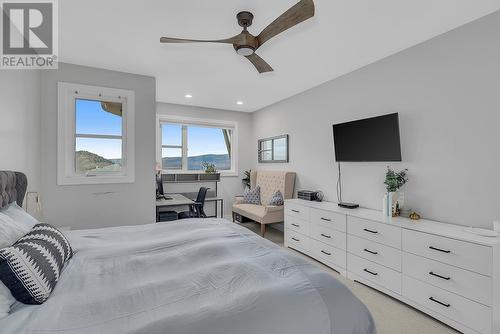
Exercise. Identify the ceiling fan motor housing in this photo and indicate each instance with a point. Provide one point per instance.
(246, 45)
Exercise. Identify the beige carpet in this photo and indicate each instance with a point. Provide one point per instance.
(391, 316)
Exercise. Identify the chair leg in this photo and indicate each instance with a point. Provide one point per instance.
(262, 230)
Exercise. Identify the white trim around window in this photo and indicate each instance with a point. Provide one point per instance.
(231, 125)
(68, 93)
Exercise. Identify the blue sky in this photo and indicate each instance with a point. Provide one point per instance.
(92, 119)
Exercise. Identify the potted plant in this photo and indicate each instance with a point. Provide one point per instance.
(209, 167)
(394, 200)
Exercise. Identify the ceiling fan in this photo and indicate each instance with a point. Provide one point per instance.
(246, 44)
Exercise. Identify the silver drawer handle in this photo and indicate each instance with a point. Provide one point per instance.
(438, 302)
(326, 219)
(295, 225)
(439, 276)
(370, 272)
(296, 211)
(326, 236)
(439, 250)
(295, 239)
(326, 253)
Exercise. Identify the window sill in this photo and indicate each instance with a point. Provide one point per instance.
(229, 174)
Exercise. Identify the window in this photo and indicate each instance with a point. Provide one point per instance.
(98, 136)
(95, 135)
(187, 144)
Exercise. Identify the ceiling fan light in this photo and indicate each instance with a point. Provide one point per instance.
(245, 51)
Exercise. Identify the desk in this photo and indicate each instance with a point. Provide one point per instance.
(181, 200)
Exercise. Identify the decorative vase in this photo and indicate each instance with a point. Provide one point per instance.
(387, 204)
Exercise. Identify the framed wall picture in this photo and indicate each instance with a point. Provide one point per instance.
(273, 150)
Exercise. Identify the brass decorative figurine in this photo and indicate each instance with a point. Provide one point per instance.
(415, 216)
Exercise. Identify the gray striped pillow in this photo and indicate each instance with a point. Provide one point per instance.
(32, 266)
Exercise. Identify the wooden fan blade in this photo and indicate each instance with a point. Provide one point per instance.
(259, 63)
(298, 13)
(231, 40)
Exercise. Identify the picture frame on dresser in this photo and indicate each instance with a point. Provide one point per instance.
(437, 268)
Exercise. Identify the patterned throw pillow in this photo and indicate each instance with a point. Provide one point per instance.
(277, 199)
(32, 266)
(252, 196)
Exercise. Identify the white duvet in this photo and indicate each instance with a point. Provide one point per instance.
(206, 276)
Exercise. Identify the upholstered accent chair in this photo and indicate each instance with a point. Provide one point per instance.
(269, 182)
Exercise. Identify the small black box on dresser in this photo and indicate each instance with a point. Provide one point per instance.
(309, 195)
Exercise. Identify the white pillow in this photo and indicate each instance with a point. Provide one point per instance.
(11, 230)
(6, 300)
(17, 213)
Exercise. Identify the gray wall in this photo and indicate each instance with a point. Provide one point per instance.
(229, 185)
(93, 206)
(20, 125)
(447, 93)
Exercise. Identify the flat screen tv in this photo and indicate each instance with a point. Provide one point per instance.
(371, 139)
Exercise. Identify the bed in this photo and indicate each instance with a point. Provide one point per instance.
(206, 276)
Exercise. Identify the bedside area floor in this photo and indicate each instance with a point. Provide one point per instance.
(391, 316)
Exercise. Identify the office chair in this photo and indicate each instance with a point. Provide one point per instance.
(196, 210)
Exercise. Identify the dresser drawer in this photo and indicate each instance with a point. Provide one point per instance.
(471, 314)
(373, 251)
(328, 254)
(328, 236)
(296, 240)
(384, 277)
(382, 233)
(298, 211)
(297, 225)
(462, 282)
(328, 219)
(461, 254)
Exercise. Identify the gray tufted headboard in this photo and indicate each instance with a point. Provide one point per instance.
(12, 188)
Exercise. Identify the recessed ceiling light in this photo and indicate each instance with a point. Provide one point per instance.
(188, 96)
(239, 103)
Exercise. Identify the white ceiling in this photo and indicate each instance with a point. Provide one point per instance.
(343, 36)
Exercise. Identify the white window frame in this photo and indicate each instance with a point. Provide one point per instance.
(209, 123)
(182, 146)
(68, 93)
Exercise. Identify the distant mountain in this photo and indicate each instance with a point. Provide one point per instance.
(221, 161)
(87, 161)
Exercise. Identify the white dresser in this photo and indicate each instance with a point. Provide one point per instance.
(438, 268)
